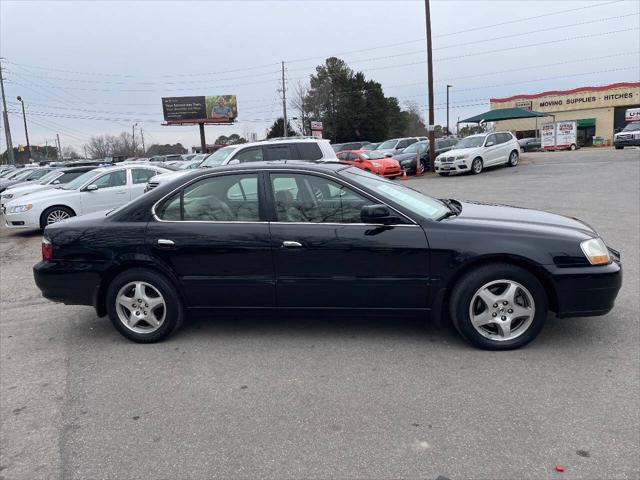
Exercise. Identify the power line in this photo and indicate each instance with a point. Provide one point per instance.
(475, 29)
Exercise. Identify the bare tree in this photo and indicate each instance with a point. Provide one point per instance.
(69, 152)
(299, 102)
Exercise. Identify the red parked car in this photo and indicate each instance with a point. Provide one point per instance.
(371, 161)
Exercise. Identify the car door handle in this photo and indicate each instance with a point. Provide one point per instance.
(164, 242)
(291, 244)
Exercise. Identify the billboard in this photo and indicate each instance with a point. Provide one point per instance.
(632, 114)
(207, 109)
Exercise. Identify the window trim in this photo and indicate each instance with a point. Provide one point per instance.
(183, 187)
(267, 205)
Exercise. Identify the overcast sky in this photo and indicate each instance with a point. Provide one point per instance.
(107, 64)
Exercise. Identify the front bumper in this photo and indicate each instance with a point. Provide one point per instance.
(627, 142)
(28, 219)
(452, 167)
(586, 291)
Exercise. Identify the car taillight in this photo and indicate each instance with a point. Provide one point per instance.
(47, 249)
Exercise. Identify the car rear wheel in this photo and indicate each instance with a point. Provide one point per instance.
(54, 215)
(476, 166)
(513, 159)
(572, 147)
(498, 307)
(144, 306)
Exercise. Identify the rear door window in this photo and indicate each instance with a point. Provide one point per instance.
(278, 152)
(309, 151)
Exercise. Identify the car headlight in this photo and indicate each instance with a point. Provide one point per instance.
(461, 157)
(376, 164)
(21, 208)
(596, 251)
(7, 195)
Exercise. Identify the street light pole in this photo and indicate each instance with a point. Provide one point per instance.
(26, 132)
(432, 141)
(448, 131)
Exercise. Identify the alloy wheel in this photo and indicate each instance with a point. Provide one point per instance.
(57, 216)
(140, 307)
(513, 159)
(477, 166)
(502, 310)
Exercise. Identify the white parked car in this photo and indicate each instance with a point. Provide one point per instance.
(100, 189)
(291, 148)
(475, 152)
(51, 180)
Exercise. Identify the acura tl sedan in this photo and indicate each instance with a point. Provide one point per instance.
(298, 235)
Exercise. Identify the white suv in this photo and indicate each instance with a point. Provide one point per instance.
(290, 148)
(473, 153)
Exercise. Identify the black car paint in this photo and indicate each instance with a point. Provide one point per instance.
(411, 265)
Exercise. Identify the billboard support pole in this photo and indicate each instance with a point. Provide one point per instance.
(203, 142)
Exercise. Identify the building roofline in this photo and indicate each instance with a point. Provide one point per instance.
(565, 92)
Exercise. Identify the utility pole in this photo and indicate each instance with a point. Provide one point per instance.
(448, 131)
(142, 138)
(432, 141)
(60, 157)
(284, 103)
(26, 132)
(5, 116)
(133, 139)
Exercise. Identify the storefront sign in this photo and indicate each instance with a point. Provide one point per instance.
(524, 104)
(632, 115)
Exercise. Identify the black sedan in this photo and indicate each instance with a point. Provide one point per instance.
(297, 235)
(407, 158)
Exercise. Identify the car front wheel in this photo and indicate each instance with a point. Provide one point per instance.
(54, 215)
(144, 306)
(476, 166)
(513, 159)
(498, 307)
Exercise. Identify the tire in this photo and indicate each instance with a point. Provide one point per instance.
(513, 159)
(572, 147)
(50, 214)
(530, 300)
(619, 147)
(164, 319)
(476, 166)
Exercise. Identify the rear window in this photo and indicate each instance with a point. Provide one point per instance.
(309, 151)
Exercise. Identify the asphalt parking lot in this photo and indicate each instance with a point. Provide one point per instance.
(335, 397)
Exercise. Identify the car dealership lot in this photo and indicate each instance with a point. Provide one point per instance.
(334, 396)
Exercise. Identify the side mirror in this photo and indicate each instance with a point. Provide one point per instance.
(489, 144)
(389, 155)
(91, 188)
(55, 182)
(377, 214)
(235, 161)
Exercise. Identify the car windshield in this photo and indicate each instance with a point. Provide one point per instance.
(8, 173)
(470, 142)
(23, 174)
(49, 177)
(387, 144)
(632, 127)
(218, 157)
(416, 202)
(79, 181)
(416, 147)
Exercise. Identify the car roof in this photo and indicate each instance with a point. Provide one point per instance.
(85, 168)
(319, 167)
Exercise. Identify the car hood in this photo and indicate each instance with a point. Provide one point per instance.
(28, 188)
(462, 151)
(405, 156)
(46, 195)
(8, 183)
(517, 218)
(387, 162)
